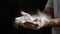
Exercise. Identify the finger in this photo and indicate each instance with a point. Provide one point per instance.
(32, 26)
(35, 28)
(29, 26)
(23, 13)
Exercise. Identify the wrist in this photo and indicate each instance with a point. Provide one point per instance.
(53, 22)
(49, 23)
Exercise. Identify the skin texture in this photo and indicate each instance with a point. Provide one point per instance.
(53, 22)
(34, 26)
(49, 11)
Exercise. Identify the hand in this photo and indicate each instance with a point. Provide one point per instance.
(30, 25)
(34, 26)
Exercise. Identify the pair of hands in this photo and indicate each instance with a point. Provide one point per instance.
(40, 25)
(52, 22)
(31, 25)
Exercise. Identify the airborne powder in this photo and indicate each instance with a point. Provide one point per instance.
(26, 17)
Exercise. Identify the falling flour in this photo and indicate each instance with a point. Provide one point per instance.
(35, 19)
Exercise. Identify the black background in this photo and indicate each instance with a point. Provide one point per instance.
(11, 8)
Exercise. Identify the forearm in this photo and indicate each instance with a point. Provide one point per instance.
(49, 11)
(54, 22)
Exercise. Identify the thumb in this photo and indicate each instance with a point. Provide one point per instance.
(23, 13)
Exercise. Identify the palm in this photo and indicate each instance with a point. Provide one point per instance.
(34, 26)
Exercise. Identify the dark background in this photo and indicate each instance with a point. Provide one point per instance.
(11, 9)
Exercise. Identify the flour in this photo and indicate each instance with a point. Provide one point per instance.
(35, 19)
